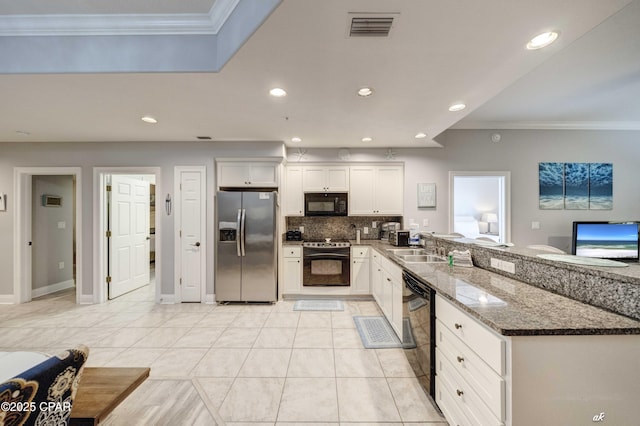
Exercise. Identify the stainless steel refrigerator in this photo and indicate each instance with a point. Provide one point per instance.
(245, 258)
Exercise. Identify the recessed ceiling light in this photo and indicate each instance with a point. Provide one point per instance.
(278, 92)
(457, 107)
(421, 135)
(367, 139)
(296, 139)
(542, 40)
(149, 119)
(365, 92)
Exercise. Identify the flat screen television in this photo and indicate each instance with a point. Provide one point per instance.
(606, 240)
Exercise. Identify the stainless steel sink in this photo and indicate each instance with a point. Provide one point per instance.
(423, 258)
(407, 252)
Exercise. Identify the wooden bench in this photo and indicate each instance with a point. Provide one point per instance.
(101, 390)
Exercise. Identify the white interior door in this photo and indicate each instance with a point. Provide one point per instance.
(192, 232)
(129, 242)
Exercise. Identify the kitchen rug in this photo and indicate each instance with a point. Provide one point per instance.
(376, 333)
(319, 305)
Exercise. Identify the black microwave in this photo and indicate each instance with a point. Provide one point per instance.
(325, 203)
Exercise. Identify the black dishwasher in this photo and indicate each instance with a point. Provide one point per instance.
(418, 305)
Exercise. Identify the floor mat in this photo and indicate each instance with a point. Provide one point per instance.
(319, 305)
(377, 333)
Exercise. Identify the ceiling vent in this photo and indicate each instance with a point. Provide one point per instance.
(370, 24)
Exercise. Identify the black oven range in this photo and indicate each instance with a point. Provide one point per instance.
(326, 263)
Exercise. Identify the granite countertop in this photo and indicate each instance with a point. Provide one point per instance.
(511, 307)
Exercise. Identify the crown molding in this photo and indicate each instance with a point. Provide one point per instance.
(547, 125)
(119, 24)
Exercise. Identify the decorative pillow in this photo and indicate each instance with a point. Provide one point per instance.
(43, 395)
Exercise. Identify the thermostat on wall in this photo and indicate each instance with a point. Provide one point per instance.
(51, 200)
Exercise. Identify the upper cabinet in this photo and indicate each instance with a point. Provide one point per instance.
(248, 174)
(293, 194)
(376, 190)
(324, 178)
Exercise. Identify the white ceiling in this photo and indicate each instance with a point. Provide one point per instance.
(439, 52)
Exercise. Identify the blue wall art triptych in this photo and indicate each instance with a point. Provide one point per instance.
(576, 186)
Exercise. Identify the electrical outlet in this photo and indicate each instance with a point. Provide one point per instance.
(62, 225)
(425, 223)
(508, 267)
(366, 230)
(535, 225)
(301, 228)
(503, 265)
(60, 265)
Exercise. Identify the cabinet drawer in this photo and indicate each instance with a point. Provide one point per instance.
(395, 272)
(484, 342)
(360, 252)
(485, 382)
(291, 251)
(465, 398)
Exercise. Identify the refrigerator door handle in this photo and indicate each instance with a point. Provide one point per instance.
(242, 231)
(238, 227)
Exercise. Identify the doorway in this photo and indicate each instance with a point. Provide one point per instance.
(126, 231)
(480, 205)
(23, 235)
(52, 234)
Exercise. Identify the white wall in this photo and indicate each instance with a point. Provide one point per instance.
(141, 154)
(519, 152)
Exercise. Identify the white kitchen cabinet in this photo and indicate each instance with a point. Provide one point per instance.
(376, 277)
(292, 260)
(247, 174)
(376, 190)
(360, 270)
(293, 193)
(323, 178)
(386, 281)
(470, 368)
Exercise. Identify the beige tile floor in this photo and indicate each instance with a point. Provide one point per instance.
(229, 364)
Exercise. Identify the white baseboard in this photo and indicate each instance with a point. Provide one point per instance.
(86, 299)
(210, 299)
(6, 299)
(167, 299)
(52, 288)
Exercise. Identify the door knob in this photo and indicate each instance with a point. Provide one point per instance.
(148, 238)
(197, 244)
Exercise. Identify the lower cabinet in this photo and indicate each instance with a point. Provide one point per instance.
(470, 368)
(386, 282)
(360, 270)
(292, 257)
(484, 378)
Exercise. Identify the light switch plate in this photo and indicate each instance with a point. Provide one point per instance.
(3, 202)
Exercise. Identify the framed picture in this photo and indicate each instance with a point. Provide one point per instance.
(426, 195)
(575, 186)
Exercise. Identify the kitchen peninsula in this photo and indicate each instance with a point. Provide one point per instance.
(508, 352)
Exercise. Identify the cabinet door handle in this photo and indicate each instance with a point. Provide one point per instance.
(457, 326)
(459, 392)
(389, 279)
(460, 359)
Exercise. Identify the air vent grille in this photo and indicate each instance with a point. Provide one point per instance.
(371, 26)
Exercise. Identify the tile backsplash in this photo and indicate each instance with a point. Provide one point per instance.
(339, 227)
